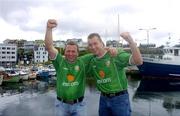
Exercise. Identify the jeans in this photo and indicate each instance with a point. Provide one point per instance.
(115, 106)
(64, 109)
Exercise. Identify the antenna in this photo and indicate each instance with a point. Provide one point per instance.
(169, 38)
(119, 38)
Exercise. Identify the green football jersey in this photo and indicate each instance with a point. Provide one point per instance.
(70, 83)
(86, 60)
(109, 71)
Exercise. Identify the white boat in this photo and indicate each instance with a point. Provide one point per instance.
(52, 72)
(166, 65)
(23, 75)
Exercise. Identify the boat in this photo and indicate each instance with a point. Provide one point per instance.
(23, 74)
(158, 85)
(1, 75)
(42, 73)
(164, 65)
(52, 71)
(32, 73)
(10, 75)
(1, 79)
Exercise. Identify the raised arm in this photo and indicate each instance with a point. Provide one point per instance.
(49, 39)
(136, 55)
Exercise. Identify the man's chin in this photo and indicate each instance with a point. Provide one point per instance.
(71, 60)
(95, 53)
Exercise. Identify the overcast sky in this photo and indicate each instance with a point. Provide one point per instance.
(26, 19)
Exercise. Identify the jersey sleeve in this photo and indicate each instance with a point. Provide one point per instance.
(57, 60)
(123, 58)
(87, 63)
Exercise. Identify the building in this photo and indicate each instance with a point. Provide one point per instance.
(40, 54)
(113, 43)
(8, 55)
(78, 41)
(29, 45)
(59, 44)
(19, 43)
(10, 41)
(147, 45)
(82, 45)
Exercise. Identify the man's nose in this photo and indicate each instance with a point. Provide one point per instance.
(93, 47)
(70, 53)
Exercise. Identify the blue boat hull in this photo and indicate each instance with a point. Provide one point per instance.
(159, 70)
(157, 85)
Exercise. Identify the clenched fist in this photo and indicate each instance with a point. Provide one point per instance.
(127, 37)
(52, 23)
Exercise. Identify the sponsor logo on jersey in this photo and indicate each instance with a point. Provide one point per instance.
(94, 66)
(70, 84)
(65, 68)
(107, 80)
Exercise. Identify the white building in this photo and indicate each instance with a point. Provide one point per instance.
(78, 41)
(60, 44)
(82, 45)
(29, 45)
(40, 54)
(113, 43)
(8, 55)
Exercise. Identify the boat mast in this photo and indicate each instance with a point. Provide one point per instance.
(119, 38)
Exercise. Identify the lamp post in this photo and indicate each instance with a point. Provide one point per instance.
(147, 31)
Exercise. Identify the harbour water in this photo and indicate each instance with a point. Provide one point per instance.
(36, 98)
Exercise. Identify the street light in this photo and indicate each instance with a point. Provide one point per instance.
(147, 31)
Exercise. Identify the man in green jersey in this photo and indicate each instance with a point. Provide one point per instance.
(110, 75)
(70, 72)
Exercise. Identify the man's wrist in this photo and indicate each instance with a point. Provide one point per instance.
(132, 43)
(49, 29)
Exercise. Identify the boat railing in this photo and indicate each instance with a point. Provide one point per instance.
(152, 57)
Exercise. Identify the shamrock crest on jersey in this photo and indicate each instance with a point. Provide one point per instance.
(76, 68)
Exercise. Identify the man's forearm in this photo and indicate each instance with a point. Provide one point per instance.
(49, 44)
(136, 55)
(48, 39)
